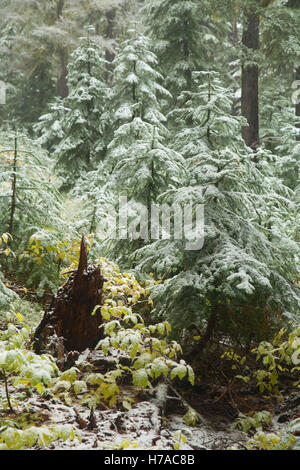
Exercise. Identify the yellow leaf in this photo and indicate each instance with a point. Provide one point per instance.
(19, 317)
(40, 387)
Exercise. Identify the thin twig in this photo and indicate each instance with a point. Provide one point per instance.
(6, 391)
(199, 416)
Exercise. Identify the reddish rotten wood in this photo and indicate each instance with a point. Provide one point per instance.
(69, 316)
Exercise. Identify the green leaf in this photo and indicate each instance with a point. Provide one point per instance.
(140, 378)
(70, 375)
(105, 343)
(79, 386)
(66, 432)
(10, 436)
(191, 375)
(179, 371)
(109, 327)
(127, 405)
(95, 309)
(190, 418)
(161, 328)
(95, 378)
(29, 437)
(295, 358)
(159, 367)
(62, 385)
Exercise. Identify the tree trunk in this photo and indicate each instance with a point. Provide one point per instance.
(211, 324)
(205, 338)
(13, 189)
(250, 75)
(62, 85)
(298, 101)
(68, 324)
(109, 34)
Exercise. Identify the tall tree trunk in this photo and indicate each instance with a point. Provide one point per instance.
(59, 8)
(206, 337)
(109, 34)
(250, 76)
(296, 4)
(234, 41)
(298, 101)
(62, 86)
(188, 72)
(13, 189)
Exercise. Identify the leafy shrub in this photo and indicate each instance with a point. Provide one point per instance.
(271, 441)
(19, 439)
(151, 354)
(31, 210)
(253, 420)
(21, 364)
(281, 356)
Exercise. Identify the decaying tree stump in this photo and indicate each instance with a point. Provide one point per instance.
(68, 324)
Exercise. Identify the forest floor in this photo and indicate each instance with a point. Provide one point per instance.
(171, 415)
(156, 418)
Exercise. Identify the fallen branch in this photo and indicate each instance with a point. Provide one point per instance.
(188, 406)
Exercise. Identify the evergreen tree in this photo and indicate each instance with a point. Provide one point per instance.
(174, 27)
(207, 110)
(137, 89)
(41, 36)
(84, 124)
(142, 165)
(49, 127)
(247, 262)
(279, 130)
(30, 204)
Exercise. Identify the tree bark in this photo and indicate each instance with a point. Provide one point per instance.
(13, 189)
(296, 4)
(68, 320)
(298, 103)
(109, 34)
(211, 323)
(62, 84)
(205, 338)
(250, 76)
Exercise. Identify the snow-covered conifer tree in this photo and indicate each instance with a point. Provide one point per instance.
(49, 128)
(280, 130)
(84, 124)
(244, 275)
(140, 161)
(177, 40)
